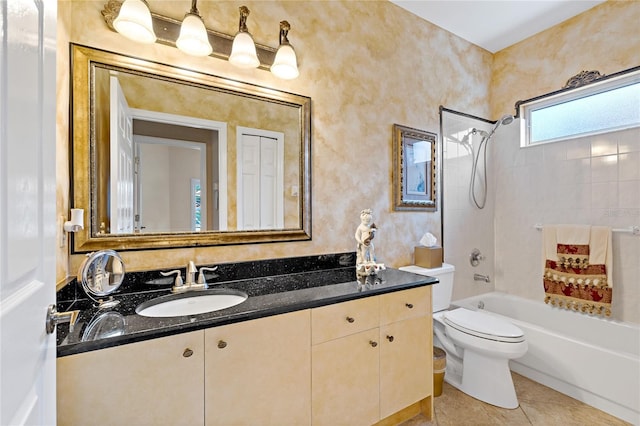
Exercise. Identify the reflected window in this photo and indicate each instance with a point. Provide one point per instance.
(196, 208)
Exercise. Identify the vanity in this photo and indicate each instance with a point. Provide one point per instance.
(311, 345)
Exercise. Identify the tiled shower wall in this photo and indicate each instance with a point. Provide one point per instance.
(592, 180)
(465, 226)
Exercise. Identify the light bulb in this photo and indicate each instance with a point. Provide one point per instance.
(193, 38)
(285, 65)
(134, 22)
(243, 51)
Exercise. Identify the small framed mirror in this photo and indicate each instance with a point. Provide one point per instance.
(414, 169)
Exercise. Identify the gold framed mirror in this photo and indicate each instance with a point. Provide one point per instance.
(414, 169)
(166, 157)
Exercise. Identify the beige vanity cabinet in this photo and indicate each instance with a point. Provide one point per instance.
(350, 363)
(345, 363)
(371, 358)
(259, 372)
(154, 382)
(406, 354)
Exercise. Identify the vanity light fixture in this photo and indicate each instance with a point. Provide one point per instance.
(134, 21)
(193, 38)
(243, 51)
(285, 65)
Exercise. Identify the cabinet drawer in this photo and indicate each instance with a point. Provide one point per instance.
(342, 319)
(405, 304)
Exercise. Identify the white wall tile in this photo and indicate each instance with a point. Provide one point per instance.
(629, 140)
(629, 194)
(578, 148)
(629, 166)
(604, 169)
(604, 195)
(603, 145)
(556, 151)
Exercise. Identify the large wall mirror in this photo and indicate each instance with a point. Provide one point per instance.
(168, 157)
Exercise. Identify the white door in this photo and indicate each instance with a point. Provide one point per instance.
(260, 179)
(249, 197)
(27, 210)
(121, 191)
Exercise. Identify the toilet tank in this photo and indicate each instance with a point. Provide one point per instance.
(441, 292)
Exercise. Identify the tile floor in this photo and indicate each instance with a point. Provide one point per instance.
(539, 406)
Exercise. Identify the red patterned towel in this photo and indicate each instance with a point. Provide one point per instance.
(577, 268)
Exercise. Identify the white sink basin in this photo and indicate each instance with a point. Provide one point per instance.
(193, 303)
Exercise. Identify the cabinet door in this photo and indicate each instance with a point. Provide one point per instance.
(405, 364)
(155, 382)
(259, 372)
(345, 380)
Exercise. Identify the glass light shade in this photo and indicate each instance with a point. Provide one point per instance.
(193, 38)
(421, 152)
(134, 22)
(243, 51)
(285, 65)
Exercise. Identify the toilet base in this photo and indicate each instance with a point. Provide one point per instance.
(485, 378)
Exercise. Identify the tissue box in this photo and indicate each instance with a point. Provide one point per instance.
(428, 257)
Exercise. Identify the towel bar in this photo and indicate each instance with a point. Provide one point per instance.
(635, 230)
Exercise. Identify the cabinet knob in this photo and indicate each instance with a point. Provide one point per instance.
(390, 338)
(222, 344)
(350, 319)
(187, 353)
(373, 344)
(409, 305)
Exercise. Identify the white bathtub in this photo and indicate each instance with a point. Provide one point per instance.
(594, 360)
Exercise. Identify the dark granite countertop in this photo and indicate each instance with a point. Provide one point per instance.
(268, 295)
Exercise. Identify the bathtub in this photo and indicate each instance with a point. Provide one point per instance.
(591, 359)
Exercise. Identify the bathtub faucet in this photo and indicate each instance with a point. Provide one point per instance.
(479, 277)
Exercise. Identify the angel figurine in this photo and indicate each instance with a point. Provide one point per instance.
(365, 233)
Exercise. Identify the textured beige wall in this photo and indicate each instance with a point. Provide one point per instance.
(605, 38)
(365, 64)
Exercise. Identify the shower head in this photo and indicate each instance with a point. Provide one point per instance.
(504, 120)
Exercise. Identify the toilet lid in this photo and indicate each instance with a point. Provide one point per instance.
(483, 325)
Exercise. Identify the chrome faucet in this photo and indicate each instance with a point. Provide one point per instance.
(480, 277)
(190, 282)
(191, 274)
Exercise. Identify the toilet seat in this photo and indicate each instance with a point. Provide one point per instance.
(482, 325)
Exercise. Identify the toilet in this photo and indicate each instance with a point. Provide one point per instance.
(478, 345)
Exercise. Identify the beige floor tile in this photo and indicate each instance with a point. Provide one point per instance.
(419, 420)
(539, 406)
(454, 408)
(544, 406)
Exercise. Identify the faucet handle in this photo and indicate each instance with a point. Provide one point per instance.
(178, 282)
(201, 278)
(475, 257)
